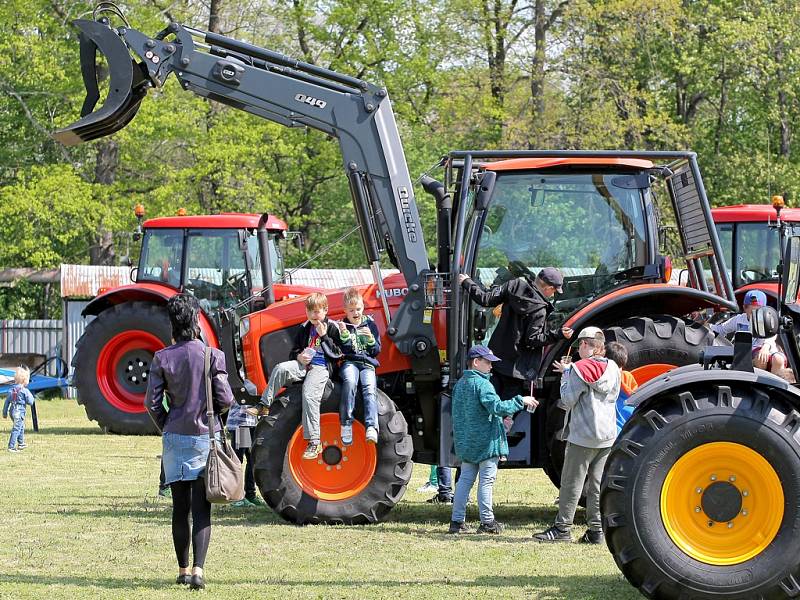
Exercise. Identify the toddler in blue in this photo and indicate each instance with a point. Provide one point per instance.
(15, 406)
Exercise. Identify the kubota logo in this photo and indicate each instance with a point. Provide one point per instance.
(393, 292)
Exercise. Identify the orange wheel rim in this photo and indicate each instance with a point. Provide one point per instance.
(647, 372)
(340, 472)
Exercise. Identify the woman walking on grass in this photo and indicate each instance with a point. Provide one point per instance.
(176, 401)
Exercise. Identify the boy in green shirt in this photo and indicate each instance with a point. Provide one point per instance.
(480, 438)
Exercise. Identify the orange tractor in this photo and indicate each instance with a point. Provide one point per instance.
(500, 214)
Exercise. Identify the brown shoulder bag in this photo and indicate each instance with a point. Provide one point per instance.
(224, 477)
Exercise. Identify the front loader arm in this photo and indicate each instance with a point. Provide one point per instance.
(295, 94)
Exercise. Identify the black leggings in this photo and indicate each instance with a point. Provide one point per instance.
(190, 496)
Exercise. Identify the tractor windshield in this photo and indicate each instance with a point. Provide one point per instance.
(591, 226)
(254, 258)
(751, 250)
(220, 271)
(161, 257)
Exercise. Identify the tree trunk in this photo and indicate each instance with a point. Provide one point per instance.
(538, 65)
(209, 185)
(495, 28)
(786, 126)
(102, 251)
(215, 16)
(302, 34)
(723, 102)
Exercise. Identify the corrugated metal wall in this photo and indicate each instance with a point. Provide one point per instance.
(74, 325)
(36, 336)
(335, 278)
(84, 281)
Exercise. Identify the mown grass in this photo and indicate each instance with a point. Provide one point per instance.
(81, 519)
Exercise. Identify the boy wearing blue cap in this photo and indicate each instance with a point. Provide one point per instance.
(480, 438)
(766, 354)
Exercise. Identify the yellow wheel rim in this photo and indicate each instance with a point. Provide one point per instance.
(722, 503)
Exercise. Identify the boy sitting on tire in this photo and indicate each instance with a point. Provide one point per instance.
(313, 358)
(589, 390)
(361, 344)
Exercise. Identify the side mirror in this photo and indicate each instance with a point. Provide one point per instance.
(296, 237)
(479, 325)
(485, 189)
(764, 322)
(258, 303)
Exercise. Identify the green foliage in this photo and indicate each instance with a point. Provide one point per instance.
(44, 216)
(717, 76)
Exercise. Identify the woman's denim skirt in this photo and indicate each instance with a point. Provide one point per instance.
(184, 456)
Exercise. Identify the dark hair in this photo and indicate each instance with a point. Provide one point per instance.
(618, 353)
(182, 309)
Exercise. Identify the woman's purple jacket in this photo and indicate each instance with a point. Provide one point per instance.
(178, 370)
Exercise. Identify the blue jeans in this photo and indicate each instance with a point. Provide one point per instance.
(444, 475)
(18, 428)
(355, 376)
(486, 471)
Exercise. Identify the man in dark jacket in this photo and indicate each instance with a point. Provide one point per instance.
(522, 330)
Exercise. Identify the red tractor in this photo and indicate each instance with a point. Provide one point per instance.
(500, 214)
(750, 236)
(225, 260)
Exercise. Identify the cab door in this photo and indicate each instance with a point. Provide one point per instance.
(789, 334)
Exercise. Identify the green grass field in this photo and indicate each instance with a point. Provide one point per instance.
(81, 519)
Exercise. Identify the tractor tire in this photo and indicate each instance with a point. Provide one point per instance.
(112, 361)
(659, 339)
(351, 485)
(699, 495)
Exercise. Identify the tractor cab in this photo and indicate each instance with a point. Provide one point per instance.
(595, 218)
(750, 241)
(217, 258)
(588, 220)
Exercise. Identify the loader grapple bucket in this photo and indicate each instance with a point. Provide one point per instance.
(126, 88)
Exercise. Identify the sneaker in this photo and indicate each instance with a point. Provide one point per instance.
(255, 500)
(347, 434)
(437, 499)
(21, 446)
(428, 487)
(165, 492)
(457, 527)
(553, 534)
(493, 527)
(313, 450)
(243, 503)
(13, 450)
(592, 537)
(372, 435)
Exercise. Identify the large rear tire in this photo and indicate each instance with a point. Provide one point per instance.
(699, 496)
(351, 485)
(112, 362)
(662, 341)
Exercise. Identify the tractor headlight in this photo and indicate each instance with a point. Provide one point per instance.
(244, 326)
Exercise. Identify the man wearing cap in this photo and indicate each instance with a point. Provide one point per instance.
(766, 354)
(589, 390)
(479, 437)
(522, 330)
